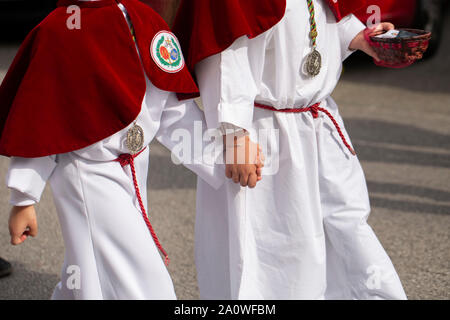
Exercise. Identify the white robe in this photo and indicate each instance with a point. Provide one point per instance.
(302, 233)
(106, 239)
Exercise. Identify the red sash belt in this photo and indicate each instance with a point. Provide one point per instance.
(128, 159)
(314, 109)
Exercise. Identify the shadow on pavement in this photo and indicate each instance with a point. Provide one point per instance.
(26, 284)
(374, 131)
(408, 206)
(423, 192)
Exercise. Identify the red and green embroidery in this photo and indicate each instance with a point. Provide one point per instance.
(168, 52)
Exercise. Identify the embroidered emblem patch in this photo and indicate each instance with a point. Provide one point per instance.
(166, 52)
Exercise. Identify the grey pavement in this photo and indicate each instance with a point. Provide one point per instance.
(399, 121)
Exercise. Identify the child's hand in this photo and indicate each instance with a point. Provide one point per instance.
(360, 43)
(244, 161)
(22, 223)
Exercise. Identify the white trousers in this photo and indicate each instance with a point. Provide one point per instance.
(110, 253)
(302, 233)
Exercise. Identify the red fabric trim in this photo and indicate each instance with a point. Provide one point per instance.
(86, 4)
(208, 27)
(68, 89)
(147, 23)
(342, 8)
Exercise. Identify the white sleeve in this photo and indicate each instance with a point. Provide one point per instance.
(27, 178)
(230, 81)
(348, 28)
(183, 131)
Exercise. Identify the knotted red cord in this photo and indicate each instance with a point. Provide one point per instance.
(314, 109)
(128, 159)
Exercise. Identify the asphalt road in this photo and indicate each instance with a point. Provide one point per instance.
(399, 121)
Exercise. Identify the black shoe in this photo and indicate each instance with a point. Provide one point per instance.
(5, 268)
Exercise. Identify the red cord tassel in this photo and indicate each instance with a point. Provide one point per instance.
(128, 159)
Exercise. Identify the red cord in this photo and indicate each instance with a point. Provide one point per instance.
(128, 159)
(314, 109)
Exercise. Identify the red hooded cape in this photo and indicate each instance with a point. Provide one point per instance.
(207, 27)
(67, 89)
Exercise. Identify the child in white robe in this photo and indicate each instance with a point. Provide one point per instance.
(100, 196)
(302, 233)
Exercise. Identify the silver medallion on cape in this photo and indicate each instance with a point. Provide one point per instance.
(135, 139)
(313, 63)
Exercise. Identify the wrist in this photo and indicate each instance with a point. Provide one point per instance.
(236, 139)
(231, 129)
(17, 209)
(21, 211)
(356, 44)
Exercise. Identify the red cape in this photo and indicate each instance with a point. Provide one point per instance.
(207, 27)
(67, 89)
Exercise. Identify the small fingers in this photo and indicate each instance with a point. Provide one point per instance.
(388, 26)
(382, 28)
(24, 236)
(260, 161)
(252, 180)
(229, 171)
(18, 239)
(259, 173)
(33, 228)
(244, 180)
(259, 165)
(17, 234)
(235, 176)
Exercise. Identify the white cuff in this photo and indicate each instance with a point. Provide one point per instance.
(238, 115)
(20, 199)
(28, 176)
(228, 128)
(349, 27)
